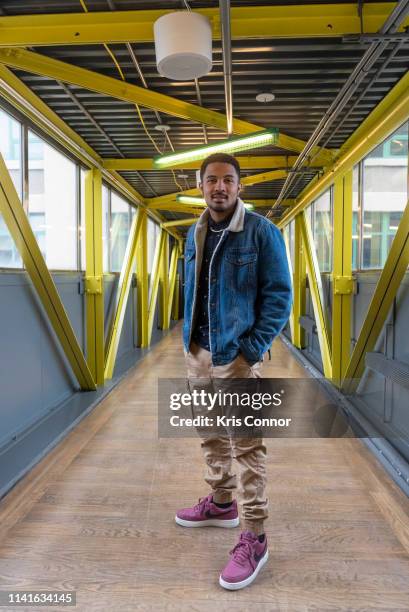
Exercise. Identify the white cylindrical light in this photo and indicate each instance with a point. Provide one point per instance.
(183, 45)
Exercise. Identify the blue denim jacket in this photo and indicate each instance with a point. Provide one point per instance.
(249, 286)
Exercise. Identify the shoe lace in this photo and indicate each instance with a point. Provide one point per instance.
(242, 552)
(203, 504)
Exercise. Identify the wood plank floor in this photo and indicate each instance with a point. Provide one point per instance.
(96, 516)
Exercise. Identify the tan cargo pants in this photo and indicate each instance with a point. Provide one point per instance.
(219, 450)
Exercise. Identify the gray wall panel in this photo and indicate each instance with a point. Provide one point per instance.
(39, 398)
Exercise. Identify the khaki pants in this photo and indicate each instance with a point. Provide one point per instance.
(219, 450)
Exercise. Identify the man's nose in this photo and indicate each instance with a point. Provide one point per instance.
(219, 186)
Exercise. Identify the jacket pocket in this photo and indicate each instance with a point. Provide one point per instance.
(241, 257)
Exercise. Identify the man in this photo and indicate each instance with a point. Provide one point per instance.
(237, 299)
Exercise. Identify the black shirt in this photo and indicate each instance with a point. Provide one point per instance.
(201, 327)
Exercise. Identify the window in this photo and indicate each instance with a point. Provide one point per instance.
(10, 148)
(291, 241)
(385, 193)
(52, 204)
(355, 217)
(105, 227)
(322, 215)
(119, 230)
(153, 236)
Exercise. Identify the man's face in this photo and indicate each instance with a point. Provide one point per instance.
(220, 187)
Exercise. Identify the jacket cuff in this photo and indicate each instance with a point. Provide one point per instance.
(250, 354)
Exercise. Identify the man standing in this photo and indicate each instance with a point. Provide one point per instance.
(237, 299)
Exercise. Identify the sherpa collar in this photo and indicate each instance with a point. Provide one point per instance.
(236, 223)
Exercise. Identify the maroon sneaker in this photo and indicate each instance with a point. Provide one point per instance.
(247, 559)
(207, 514)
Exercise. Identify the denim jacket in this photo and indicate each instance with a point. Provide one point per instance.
(249, 297)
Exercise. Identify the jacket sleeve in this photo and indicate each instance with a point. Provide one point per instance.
(274, 296)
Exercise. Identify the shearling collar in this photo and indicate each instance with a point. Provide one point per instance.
(236, 223)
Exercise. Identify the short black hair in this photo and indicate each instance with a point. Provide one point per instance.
(222, 158)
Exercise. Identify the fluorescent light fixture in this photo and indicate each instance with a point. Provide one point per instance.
(241, 143)
(367, 224)
(183, 199)
(393, 227)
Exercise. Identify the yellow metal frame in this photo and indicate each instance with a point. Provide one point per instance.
(246, 22)
(390, 114)
(285, 234)
(246, 162)
(179, 222)
(246, 181)
(142, 282)
(27, 102)
(94, 285)
(164, 284)
(173, 293)
(154, 284)
(122, 293)
(23, 236)
(395, 268)
(175, 206)
(342, 285)
(299, 285)
(315, 285)
(55, 69)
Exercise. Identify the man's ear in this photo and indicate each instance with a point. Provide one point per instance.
(240, 188)
(201, 186)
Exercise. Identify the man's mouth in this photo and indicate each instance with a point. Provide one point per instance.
(219, 197)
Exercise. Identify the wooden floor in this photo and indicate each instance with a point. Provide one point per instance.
(97, 516)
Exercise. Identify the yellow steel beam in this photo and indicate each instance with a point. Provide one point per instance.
(27, 102)
(175, 303)
(382, 300)
(175, 206)
(164, 284)
(189, 221)
(20, 229)
(387, 116)
(142, 285)
(246, 181)
(246, 22)
(247, 162)
(299, 285)
(94, 274)
(342, 283)
(314, 277)
(285, 234)
(172, 280)
(124, 285)
(55, 69)
(155, 276)
(182, 208)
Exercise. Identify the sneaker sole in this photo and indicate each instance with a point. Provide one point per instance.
(227, 523)
(235, 586)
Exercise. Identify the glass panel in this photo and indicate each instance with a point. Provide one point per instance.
(355, 217)
(323, 231)
(52, 204)
(153, 236)
(119, 230)
(82, 217)
(385, 193)
(105, 227)
(291, 238)
(10, 148)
